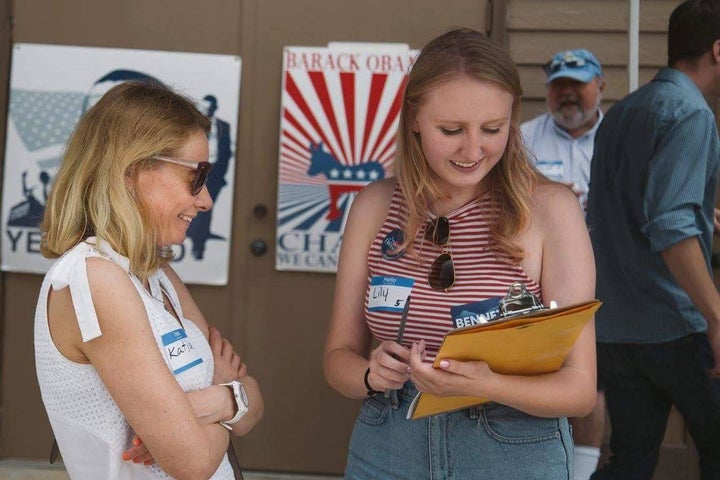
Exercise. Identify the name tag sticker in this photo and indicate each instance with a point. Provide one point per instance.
(475, 313)
(389, 293)
(553, 169)
(181, 352)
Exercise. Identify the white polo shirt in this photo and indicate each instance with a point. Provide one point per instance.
(558, 155)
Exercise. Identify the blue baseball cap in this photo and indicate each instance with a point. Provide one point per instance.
(580, 65)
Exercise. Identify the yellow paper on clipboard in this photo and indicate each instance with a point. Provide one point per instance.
(530, 344)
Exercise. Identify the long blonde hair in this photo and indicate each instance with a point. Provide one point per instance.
(512, 180)
(93, 192)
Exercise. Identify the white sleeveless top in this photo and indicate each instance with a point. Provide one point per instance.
(90, 429)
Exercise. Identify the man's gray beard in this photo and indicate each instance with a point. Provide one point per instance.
(579, 118)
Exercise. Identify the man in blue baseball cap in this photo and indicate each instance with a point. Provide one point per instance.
(579, 64)
(561, 140)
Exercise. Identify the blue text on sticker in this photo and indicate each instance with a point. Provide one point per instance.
(180, 351)
(476, 312)
(389, 245)
(389, 293)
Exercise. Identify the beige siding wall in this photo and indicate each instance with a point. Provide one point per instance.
(536, 29)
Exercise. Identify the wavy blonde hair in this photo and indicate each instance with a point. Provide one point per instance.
(94, 191)
(465, 52)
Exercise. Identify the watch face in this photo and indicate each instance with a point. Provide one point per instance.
(243, 395)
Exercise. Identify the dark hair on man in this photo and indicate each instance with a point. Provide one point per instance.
(693, 28)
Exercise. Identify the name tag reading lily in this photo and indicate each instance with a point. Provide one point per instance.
(389, 293)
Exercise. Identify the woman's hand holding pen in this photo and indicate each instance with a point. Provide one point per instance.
(453, 377)
(389, 366)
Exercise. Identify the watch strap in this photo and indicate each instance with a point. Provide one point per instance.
(241, 402)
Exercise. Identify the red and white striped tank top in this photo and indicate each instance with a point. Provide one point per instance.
(479, 275)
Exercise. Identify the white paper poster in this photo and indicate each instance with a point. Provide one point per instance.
(52, 85)
(338, 120)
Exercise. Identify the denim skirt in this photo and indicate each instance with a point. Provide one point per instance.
(488, 442)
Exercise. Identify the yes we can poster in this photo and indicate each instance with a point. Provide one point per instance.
(52, 85)
(338, 121)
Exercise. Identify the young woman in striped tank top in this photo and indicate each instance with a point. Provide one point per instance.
(465, 217)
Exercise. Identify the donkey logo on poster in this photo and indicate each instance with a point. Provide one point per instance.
(341, 179)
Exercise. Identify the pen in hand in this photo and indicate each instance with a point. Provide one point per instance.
(391, 393)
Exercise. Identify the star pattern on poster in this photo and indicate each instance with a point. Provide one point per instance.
(43, 119)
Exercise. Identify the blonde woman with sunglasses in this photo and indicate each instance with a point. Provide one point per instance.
(135, 382)
(465, 217)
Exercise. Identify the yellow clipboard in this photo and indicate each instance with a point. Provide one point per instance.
(529, 344)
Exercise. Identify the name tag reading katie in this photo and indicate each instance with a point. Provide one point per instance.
(389, 293)
(181, 352)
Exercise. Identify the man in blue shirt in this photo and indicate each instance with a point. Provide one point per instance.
(650, 212)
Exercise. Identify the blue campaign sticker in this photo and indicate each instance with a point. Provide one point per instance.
(476, 312)
(388, 293)
(180, 351)
(390, 244)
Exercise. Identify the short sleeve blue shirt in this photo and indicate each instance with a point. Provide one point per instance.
(652, 184)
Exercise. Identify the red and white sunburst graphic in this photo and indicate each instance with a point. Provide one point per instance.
(345, 103)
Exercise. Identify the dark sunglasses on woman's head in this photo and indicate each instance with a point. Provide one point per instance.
(202, 171)
(442, 271)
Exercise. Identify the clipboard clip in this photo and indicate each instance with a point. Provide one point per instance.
(518, 301)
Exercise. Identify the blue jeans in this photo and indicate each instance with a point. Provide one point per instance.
(489, 442)
(642, 382)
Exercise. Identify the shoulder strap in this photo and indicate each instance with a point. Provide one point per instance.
(71, 270)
